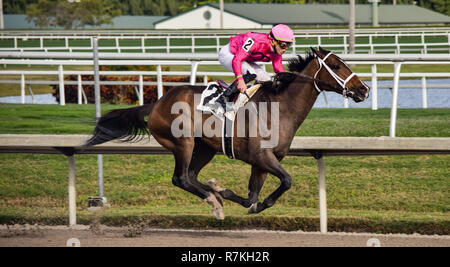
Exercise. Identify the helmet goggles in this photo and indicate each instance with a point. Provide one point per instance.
(284, 44)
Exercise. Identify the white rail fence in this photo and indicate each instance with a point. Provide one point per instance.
(409, 42)
(153, 32)
(26, 84)
(319, 147)
(195, 59)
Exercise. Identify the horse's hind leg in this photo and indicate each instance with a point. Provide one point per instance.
(201, 156)
(183, 156)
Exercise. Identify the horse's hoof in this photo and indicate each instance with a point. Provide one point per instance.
(217, 209)
(214, 184)
(254, 208)
(218, 213)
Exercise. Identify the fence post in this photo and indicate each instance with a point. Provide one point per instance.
(397, 67)
(422, 38)
(159, 81)
(345, 102)
(326, 99)
(72, 192)
(62, 95)
(117, 45)
(397, 51)
(345, 45)
(424, 93)
(141, 90)
(80, 88)
(168, 44)
(22, 89)
(98, 113)
(448, 38)
(194, 66)
(374, 87)
(33, 100)
(218, 44)
(322, 195)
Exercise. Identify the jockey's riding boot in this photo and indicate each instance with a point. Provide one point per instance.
(232, 92)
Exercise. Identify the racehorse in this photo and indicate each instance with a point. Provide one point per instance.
(296, 92)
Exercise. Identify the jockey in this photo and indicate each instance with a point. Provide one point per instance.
(240, 55)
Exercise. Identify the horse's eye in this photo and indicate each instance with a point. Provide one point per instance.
(336, 67)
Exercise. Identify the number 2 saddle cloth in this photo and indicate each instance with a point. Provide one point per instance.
(212, 101)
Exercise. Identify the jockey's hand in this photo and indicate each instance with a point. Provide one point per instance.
(241, 86)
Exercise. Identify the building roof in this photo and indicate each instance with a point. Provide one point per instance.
(303, 14)
(18, 21)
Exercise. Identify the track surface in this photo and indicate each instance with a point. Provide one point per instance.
(58, 236)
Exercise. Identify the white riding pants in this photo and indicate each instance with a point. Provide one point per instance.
(226, 59)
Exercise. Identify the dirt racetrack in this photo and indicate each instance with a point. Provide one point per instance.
(85, 236)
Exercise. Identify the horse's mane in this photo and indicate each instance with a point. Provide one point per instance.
(283, 79)
(298, 64)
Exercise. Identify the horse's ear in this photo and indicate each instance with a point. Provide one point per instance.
(314, 51)
(323, 50)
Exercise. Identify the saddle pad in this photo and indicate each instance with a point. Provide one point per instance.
(241, 101)
(208, 103)
(208, 100)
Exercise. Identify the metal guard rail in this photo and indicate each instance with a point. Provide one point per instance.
(318, 147)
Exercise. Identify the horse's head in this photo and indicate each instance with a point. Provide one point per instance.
(334, 75)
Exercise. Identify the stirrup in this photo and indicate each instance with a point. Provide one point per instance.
(232, 92)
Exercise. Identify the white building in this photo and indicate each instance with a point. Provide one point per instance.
(208, 17)
(256, 16)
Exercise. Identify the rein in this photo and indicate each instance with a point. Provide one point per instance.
(319, 81)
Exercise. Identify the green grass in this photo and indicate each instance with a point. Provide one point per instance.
(48, 119)
(385, 194)
(79, 119)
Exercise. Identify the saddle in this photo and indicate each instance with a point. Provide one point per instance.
(215, 99)
(230, 91)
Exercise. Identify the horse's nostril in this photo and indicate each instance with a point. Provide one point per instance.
(364, 89)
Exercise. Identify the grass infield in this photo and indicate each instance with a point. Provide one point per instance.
(383, 194)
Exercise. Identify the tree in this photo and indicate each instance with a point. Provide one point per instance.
(16, 6)
(51, 13)
(173, 7)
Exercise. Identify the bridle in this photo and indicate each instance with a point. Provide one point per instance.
(343, 83)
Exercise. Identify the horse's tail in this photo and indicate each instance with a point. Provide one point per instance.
(127, 124)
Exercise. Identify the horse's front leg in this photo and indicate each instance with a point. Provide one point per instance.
(254, 187)
(269, 162)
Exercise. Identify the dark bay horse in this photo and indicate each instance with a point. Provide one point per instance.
(295, 91)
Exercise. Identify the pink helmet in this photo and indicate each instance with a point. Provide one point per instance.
(282, 33)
